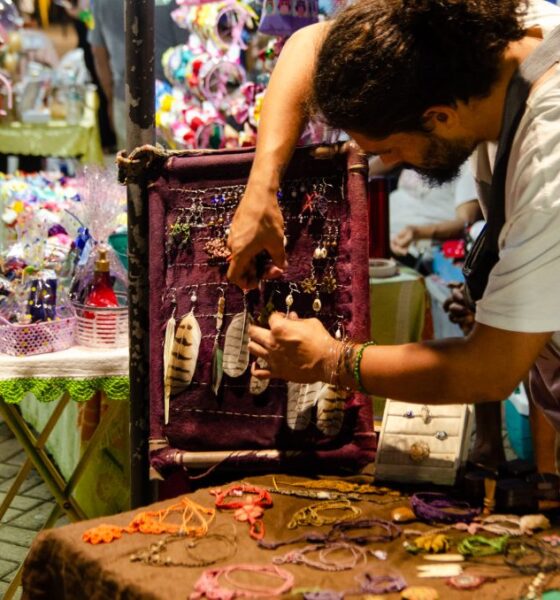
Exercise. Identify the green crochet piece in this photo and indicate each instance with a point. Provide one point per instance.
(49, 390)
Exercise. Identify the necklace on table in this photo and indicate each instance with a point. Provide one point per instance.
(340, 486)
(248, 502)
(195, 520)
(156, 554)
(313, 514)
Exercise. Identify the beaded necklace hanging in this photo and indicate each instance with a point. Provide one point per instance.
(195, 520)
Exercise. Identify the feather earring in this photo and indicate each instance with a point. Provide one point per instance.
(302, 398)
(258, 386)
(167, 352)
(236, 344)
(184, 354)
(217, 352)
(330, 409)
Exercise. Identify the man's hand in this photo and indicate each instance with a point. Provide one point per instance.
(457, 308)
(256, 226)
(298, 350)
(403, 239)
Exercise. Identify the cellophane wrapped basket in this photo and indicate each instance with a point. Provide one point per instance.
(99, 327)
(37, 338)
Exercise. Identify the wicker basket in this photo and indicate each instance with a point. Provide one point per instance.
(98, 327)
(37, 338)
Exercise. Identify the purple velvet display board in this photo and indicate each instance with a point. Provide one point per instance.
(191, 204)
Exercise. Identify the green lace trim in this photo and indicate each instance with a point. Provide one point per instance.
(80, 390)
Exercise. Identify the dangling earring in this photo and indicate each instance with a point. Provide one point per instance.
(309, 284)
(329, 283)
(167, 354)
(236, 350)
(317, 305)
(184, 355)
(217, 352)
(290, 297)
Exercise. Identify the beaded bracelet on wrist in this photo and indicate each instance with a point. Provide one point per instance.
(357, 366)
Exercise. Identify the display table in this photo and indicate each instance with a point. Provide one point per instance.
(397, 307)
(56, 138)
(96, 378)
(398, 311)
(60, 565)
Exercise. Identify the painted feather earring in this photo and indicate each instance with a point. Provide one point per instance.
(302, 398)
(183, 356)
(236, 343)
(167, 352)
(330, 409)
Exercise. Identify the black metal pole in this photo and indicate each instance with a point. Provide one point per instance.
(140, 100)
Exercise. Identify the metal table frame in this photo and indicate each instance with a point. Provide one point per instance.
(34, 446)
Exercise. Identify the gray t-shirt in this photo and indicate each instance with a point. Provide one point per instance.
(109, 33)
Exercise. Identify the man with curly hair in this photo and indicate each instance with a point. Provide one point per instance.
(423, 84)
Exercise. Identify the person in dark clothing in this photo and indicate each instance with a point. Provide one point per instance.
(73, 10)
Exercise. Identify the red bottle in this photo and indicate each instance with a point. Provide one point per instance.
(101, 292)
(103, 326)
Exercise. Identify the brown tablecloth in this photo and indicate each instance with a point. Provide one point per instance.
(60, 566)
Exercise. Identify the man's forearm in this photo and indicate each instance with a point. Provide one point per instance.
(285, 107)
(486, 366)
(444, 230)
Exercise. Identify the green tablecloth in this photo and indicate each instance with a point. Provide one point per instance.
(36, 382)
(397, 307)
(397, 310)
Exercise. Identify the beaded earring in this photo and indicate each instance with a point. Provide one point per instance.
(320, 252)
(309, 284)
(290, 297)
(216, 247)
(329, 283)
(178, 235)
(317, 304)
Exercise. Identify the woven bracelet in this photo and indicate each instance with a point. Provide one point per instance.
(357, 364)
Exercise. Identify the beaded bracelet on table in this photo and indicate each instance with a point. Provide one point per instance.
(323, 563)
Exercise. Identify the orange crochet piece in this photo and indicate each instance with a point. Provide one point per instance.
(102, 534)
(195, 520)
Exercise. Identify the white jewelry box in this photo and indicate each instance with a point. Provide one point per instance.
(421, 443)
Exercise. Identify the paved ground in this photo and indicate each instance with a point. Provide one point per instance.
(28, 512)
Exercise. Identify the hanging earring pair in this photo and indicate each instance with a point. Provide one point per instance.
(180, 353)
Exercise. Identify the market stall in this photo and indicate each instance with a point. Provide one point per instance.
(49, 107)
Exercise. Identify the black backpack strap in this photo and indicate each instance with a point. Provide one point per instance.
(485, 252)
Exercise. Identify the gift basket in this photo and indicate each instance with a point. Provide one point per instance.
(36, 315)
(45, 327)
(99, 286)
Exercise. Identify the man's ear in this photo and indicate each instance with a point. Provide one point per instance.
(440, 117)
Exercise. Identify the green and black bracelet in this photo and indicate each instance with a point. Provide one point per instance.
(357, 364)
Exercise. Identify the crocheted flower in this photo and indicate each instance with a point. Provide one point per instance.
(102, 534)
(249, 512)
